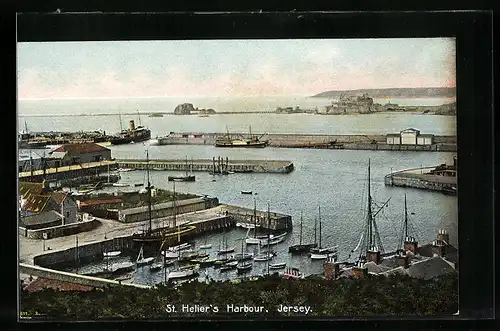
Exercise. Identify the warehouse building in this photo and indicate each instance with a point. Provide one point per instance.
(410, 137)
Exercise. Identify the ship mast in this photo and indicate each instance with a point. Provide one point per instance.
(149, 191)
(121, 125)
(370, 214)
(406, 220)
(319, 220)
(254, 218)
(300, 238)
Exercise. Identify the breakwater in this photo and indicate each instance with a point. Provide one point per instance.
(214, 165)
(417, 178)
(354, 142)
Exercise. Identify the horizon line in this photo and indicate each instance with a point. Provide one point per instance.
(221, 96)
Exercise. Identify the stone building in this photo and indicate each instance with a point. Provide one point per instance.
(38, 198)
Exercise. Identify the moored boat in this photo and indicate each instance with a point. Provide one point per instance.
(228, 266)
(141, 260)
(244, 267)
(111, 254)
(277, 265)
(225, 250)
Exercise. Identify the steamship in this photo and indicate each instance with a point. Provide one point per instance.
(133, 134)
(250, 142)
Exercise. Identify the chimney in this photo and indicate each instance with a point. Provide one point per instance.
(402, 259)
(410, 244)
(359, 272)
(438, 248)
(443, 235)
(132, 125)
(331, 270)
(373, 256)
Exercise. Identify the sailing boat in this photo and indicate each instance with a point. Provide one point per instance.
(187, 178)
(243, 256)
(141, 260)
(272, 239)
(225, 248)
(156, 236)
(301, 248)
(181, 272)
(321, 253)
(255, 240)
(370, 238)
(244, 266)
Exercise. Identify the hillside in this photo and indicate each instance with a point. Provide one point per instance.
(430, 92)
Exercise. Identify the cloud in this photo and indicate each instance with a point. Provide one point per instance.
(231, 68)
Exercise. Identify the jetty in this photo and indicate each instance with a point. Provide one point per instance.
(207, 165)
(422, 178)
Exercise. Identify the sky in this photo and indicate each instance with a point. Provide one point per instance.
(223, 68)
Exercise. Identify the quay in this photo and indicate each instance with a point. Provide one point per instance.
(112, 235)
(420, 178)
(260, 166)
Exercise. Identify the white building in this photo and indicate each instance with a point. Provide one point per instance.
(409, 137)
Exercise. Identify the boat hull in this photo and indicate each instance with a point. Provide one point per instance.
(181, 178)
(300, 249)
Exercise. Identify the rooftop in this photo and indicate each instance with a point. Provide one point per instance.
(75, 149)
(41, 218)
(430, 268)
(43, 283)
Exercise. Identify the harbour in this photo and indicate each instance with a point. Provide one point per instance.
(229, 189)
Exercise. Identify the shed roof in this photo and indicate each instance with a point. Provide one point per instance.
(430, 268)
(399, 270)
(99, 202)
(410, 130)
(36, 203)
(426, 135)
(58, 155)
(41, 218)
(159, 206)
(27, 188)
(43, 283)
(375, 268)
(451, 252)
(393, 135)
(76, 149)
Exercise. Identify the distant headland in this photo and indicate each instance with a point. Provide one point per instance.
(427, 92)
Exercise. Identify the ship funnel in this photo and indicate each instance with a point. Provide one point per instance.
(132, 125)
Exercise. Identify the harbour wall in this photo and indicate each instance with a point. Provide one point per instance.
(60, 230)
(411, 178)
(62, 276)
(243, 215)
(87, 252)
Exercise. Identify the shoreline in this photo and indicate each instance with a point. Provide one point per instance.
(237, 113)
